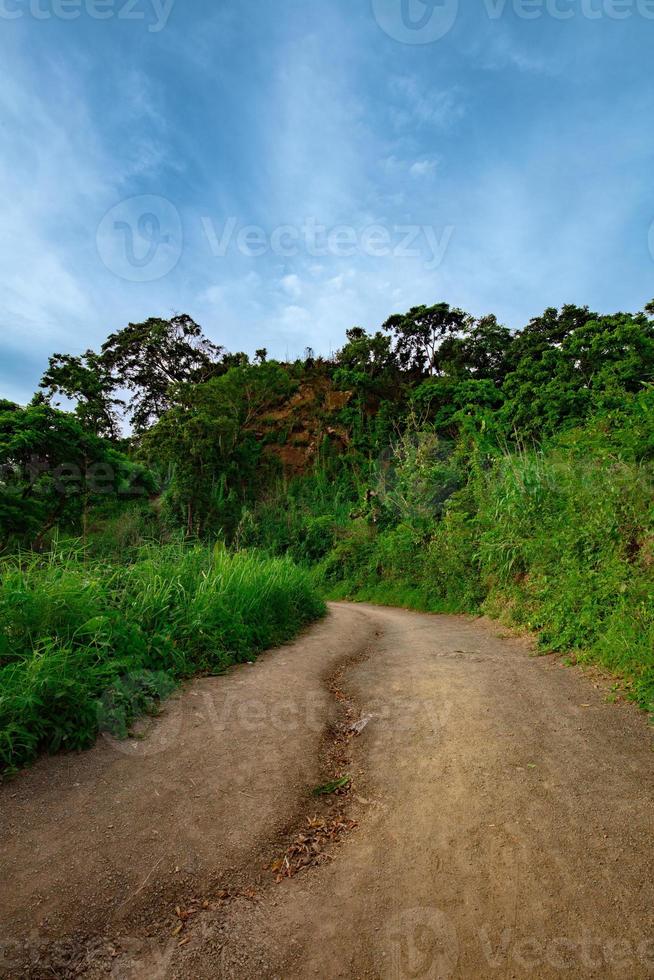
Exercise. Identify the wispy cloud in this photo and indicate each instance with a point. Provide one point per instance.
(513, 135)
(423, 103)
(423, 168)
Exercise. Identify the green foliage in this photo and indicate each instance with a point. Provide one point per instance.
(89, 644)
(52, 469)
(301, 517)
(365, 360)
(565, 548)
(420, 335)
(559, 539)
(480, 351)
(465, 468)
(207, 443)
(150, 358)
(416, 477)
(348, 566)
(87, 381)
(447, 402)
(573, 364)
(147, 359)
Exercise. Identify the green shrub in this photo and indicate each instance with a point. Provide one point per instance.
(558, 539)
(86, 643)
(563, 550)
(317, 537)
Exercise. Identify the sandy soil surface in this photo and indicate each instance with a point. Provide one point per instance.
(497, 821)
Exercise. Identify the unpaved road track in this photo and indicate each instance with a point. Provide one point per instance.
(503, 817)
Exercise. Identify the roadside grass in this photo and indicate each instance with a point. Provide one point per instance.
(565, 549)
(88, 643)
(393, 594)
(559, 541)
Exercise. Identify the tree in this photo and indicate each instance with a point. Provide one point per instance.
(481, 351)
(87, 381)
(251, 389)
(195, 439)
(447, 401)
(420, 333)
(613, 352)
(207, 439)
(543, 333)
(52, 468)
(576, 365)
(239, 359)
(370, 355)
(149, 358)
(417, 478)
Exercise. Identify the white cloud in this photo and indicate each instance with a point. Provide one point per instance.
(423, 168)
(292, 285)
(60, 175)
(424, 104)
(337, 282)
(497, 49)
(335, 134)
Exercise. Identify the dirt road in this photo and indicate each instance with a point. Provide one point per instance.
(498, 821)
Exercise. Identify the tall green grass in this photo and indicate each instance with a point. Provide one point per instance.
(565, 547)
(559, 540)
(88, 643)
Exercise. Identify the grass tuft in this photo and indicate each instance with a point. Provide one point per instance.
(89, 644)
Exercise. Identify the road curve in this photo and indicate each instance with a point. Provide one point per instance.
(498, 821)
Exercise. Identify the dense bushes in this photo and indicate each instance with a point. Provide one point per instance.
(565, 547)
(558, 538)
(89, 643)
(52, 470)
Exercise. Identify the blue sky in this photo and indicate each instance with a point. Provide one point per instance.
(504, 166)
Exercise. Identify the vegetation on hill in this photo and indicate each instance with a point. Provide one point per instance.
(443, 462)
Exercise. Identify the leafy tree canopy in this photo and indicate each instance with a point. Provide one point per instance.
(206, 439)
(149, 358)
(420, 333)
(87, 381)
(51, 467)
